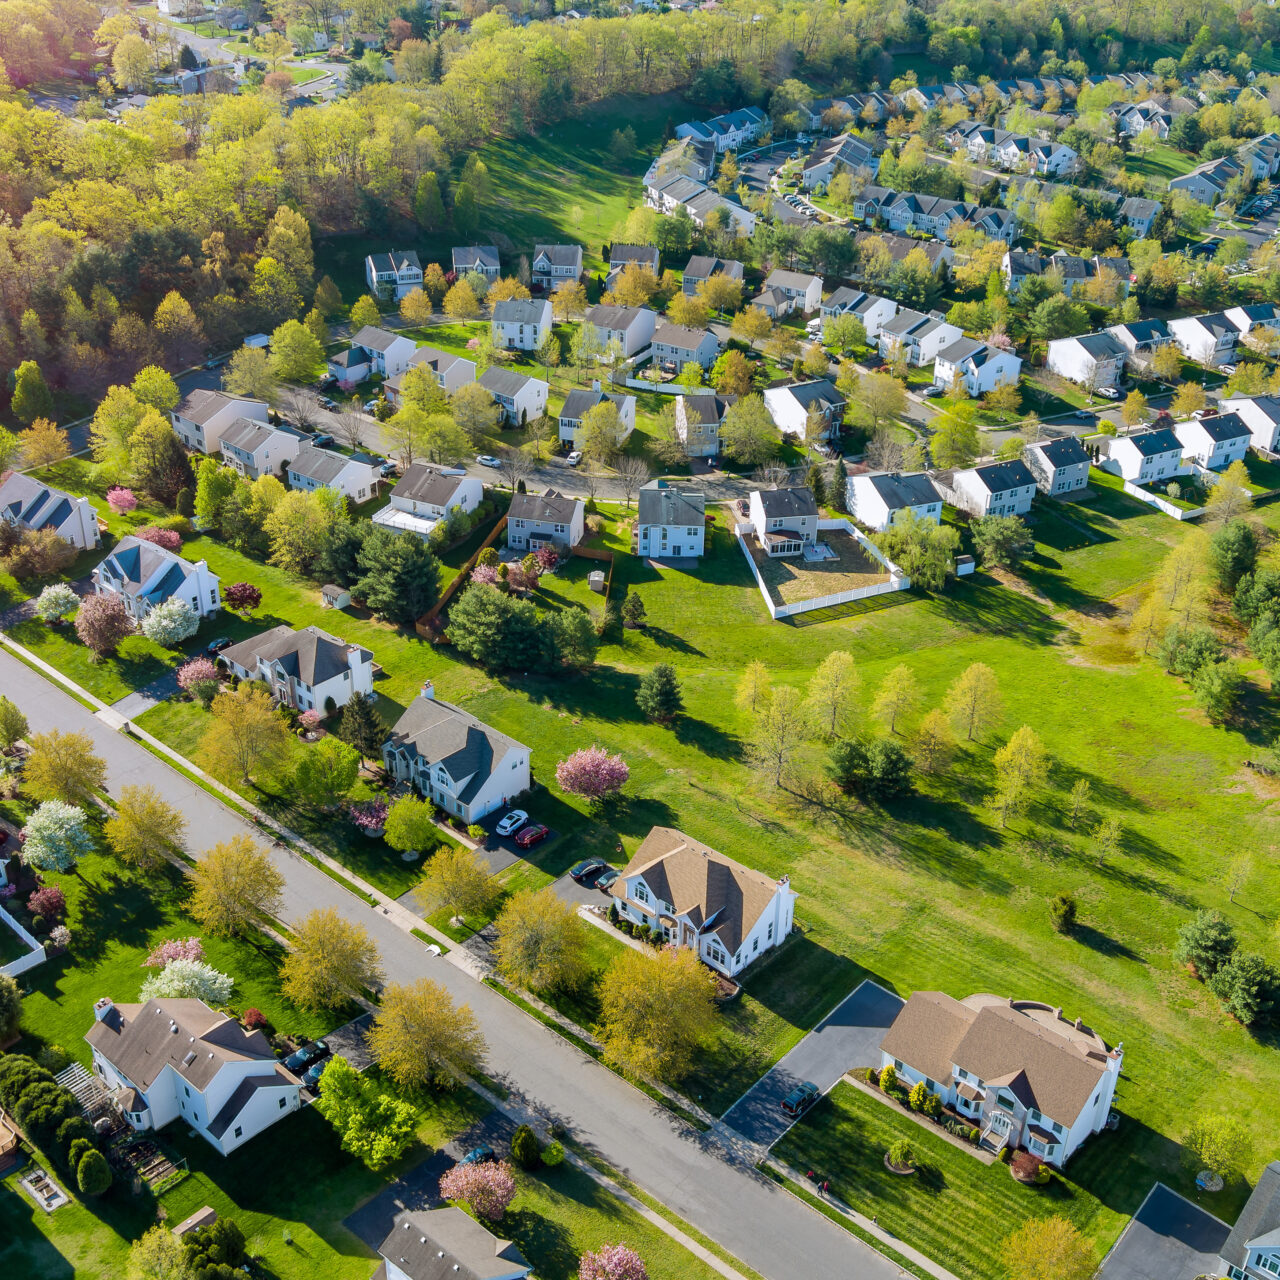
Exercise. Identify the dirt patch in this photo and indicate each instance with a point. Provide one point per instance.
(794, 579)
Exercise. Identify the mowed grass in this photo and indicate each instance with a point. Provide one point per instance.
(1162, 162)
(955, 1209)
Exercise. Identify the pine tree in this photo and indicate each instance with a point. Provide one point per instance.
(362, 726)
(659, 693)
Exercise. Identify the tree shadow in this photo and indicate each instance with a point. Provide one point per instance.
(1104, 944)
(708, 738)
(669, 640)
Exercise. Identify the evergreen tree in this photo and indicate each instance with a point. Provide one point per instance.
(362, 726)
(399, 575)
(428, 207)
(31, 397)
(659, 693)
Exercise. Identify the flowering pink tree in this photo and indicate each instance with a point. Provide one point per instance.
(547, 557)
(369, 815)
(612, 1262)
(487, 1188)
(242, 598)
(121, 500)
(193, 672)
(174, 949)
(102, 622)
(169, 539)
(309, 720)
(486, 574)
(592, 773)
(49, 901)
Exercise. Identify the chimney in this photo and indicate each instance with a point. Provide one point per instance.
(103, 1009)
(428, 690)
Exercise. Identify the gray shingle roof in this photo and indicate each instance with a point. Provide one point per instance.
(520, 311)
(999, 477)
(447, 1244)
(779, 503)
(503, 382)
(1260, 1216)
(661, 503)
(1065, 451)
(323, 465)
(706, 408)
(32, 505)
(610, 317)
(1150, 443)
(309, 655)
(422, 483)
(621, 254)
(372, 338)
(473, 256)
(1222, 427)
(914, 489)
(559, 255)
(551, 507)
(200, 405)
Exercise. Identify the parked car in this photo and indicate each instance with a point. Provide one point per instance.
(516, 819)
(371, 406)
(327, 383)
(574, 458)
(1228, 369)
(530, 836)
(1085, 415)
(304, 1057)
(311, 1078)
(800, 1099)
(744, 507)
(327, 402)
(322, 440)
(934, 389)
(607, 878)
(482, 1154)
(581, 870)
(388, 468)
(488, 460)
(1109, 393)
(217, 646)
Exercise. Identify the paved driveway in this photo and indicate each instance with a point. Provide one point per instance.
(1169, 1238)
(848, 1037)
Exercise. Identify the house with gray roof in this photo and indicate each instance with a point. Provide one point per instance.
(355, 475)
(1093, 360)
(204, 415)
(1141, 338)
(455, 760)
(879, 499)
(919, 337)
(622, 256)
(1214, 440)
(1139, 214)
(993, 489)
(544, 519)
(477, 257)
(170, 1060)
(424, 496)
(28, 503)
(1207, 339)
(873, 310)
(1252, 1249)
(1261, 414)
(447, 1244)
(979, 366)
(670, 521)
(793, 407)
(631, 327)
(255, 449)
(520, 324)
(676, 345)
(449, 370)
(700, 268)
(699, 418)
(520, 397)
(305, 669)
(581, 400)
(392, 275)
(144, 575)
(553, 264)
(1060, 466)
(785, 521)
(1146, 457)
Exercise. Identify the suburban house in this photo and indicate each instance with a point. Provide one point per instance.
(1207, 182)
(678, 345)
(1133, 118)
(1140, 338)
(372, 351)
(203, 416)
(553, 264)
(355, 476)
(455, 760)
(938, 254)
(257, 449)
(1252, 1249)
(431, 1244)
(622, 256)
(180, 1060)
(878, 499)
(519, 396)
(872, 202)
(1145, 457)
(932, 215)
(1208, 340)
(392, 275)
(27, 503)
(792, 406)
(451, 372)
(477, 257)
(1060, 466)
(698, 420)
(802, 292)
(1214, 441)
(305, 669)
(994, 223)
(993, 489)
(1257, 315)
(727, 132)
(580, 401)
(1019, 264)
(698, 898)
(144, 575)
(980, 366)
(1261, 414)
(1139, 214)
(842, 154)
(520, 324)
(918, 336)
(684, 157)
(548, 519)
(631, 327)
(670, 521)
(1094, 360)
(424, 496)
(1024, 1074)
(785, 520)
(701, 268)
(870, 308)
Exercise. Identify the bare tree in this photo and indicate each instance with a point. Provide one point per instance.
(349, 423)
(299, 407)
(885, 451)
(772, 475)
(632, 474)
(516, 464)
(591, 481)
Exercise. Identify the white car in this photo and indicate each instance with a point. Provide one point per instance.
(1109, 393)
(574, 458)
(488, 460)
(512, 823)
(370, 406)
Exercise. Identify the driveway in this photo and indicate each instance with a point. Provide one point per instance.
(848, 1037)
(1169, 1238)
(348, 1041)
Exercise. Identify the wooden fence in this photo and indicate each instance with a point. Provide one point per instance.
(423, 624)
(605, 557)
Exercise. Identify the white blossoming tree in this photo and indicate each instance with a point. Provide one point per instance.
(171, 623)
(189, 980)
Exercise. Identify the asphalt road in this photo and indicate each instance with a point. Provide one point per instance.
(702, 1180)
(1169, 1238)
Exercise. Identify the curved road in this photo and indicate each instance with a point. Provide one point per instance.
(700, 1179)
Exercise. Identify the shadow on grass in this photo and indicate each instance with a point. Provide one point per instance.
(1103, 943)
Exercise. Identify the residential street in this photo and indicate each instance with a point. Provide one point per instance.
(698, 1178)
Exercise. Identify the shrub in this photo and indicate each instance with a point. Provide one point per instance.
(54, 1058)
(369, 815)
(39, 925)
(169, 539)
(917, 1096)
(888, 1078)
(901, 1154)
(48, 901)
(553, 1154)
(526, 1150)
(973, 1136)
(60, 937)
(1062, 912)
(171, 622)
(477, 832)
(253, 1019)
(93, 1174)
(932, 1106)
(174, 949)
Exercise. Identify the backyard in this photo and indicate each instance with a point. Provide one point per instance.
(791, 579)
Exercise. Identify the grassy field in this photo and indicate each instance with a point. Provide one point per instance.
(955, 1209)
(1160, 164)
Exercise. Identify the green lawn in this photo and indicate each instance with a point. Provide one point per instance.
(1161, 163)
(955, 1210)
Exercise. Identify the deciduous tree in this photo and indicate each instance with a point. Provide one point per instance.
(1022, 766)
(898, 696)
(246, 734)
(57, 837)
(779, 729)
(1047, 1249)
(487, 1189)
(591, 772)
(13, 724)
(973, 701)
(833, 688)
(371, 1124)
(64, 766)
(144, 829)
(331, 961)
(31, 398)
(1219, 1143)
(420, 1036)
(237, 887)
(541, 942)
(326, 773)
(457, 878)
(102, 622)
(43, 443)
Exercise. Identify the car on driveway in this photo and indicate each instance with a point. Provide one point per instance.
(1109, 393)
(488, 460)
(934, 389)
(322, 440)
(304, 1057)
(217, 646)
(530, 835)
(371, 406)
(800, 1099)
(388, 468)
(313, 1073)
(482, 1154)
(574, 458)
(581, 870)
(516, 819)
(327, 402)
(607, 878)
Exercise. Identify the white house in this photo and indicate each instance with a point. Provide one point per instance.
(355, 476)
(670, 521)
(144, 575)
(1261, 414)
(1139, 214)
(1141, 338)
(203, 416)
(255, 449)
(424, 496)
(553, 264)
(873, 310)
(920, 337)
(392, 275)
(429, 1244)
(1253, 316)
(455, 760)
(785, 521)
(728, 914)
(1146, 457)
(1208, 340)
(1214, 441)
(980, 366)
(727, 132)
(1061, 466)
(932, 215)
(180, 1060)
(389, 353)
(580, 401)
(305, 669)
(993, 489)
(804, 292)
(1023, 1073)
(1251, 1250)
(877, 500)
(841, 154)
(700, 268)
(450, 371)
(477, 257)
(678, 345)
(544, 519)
(520, 324)
(26, 503)
(699, 418)
(1094, 360)
(631, 327)
(520, 397)
(791, 406)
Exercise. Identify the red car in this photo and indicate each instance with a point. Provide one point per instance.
(528, 836)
